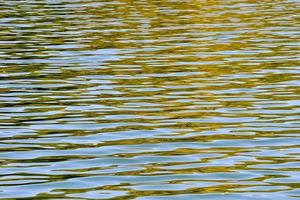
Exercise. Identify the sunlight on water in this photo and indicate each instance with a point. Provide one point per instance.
(149, 100)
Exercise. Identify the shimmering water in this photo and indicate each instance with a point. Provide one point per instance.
(150, 100)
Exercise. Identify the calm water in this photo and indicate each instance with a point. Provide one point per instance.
(150, 100)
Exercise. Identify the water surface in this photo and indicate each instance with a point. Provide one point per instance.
(149, 100)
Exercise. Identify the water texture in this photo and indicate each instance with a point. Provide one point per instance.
(150, 99)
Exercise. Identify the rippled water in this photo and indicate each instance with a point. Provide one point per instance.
(149, 100)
